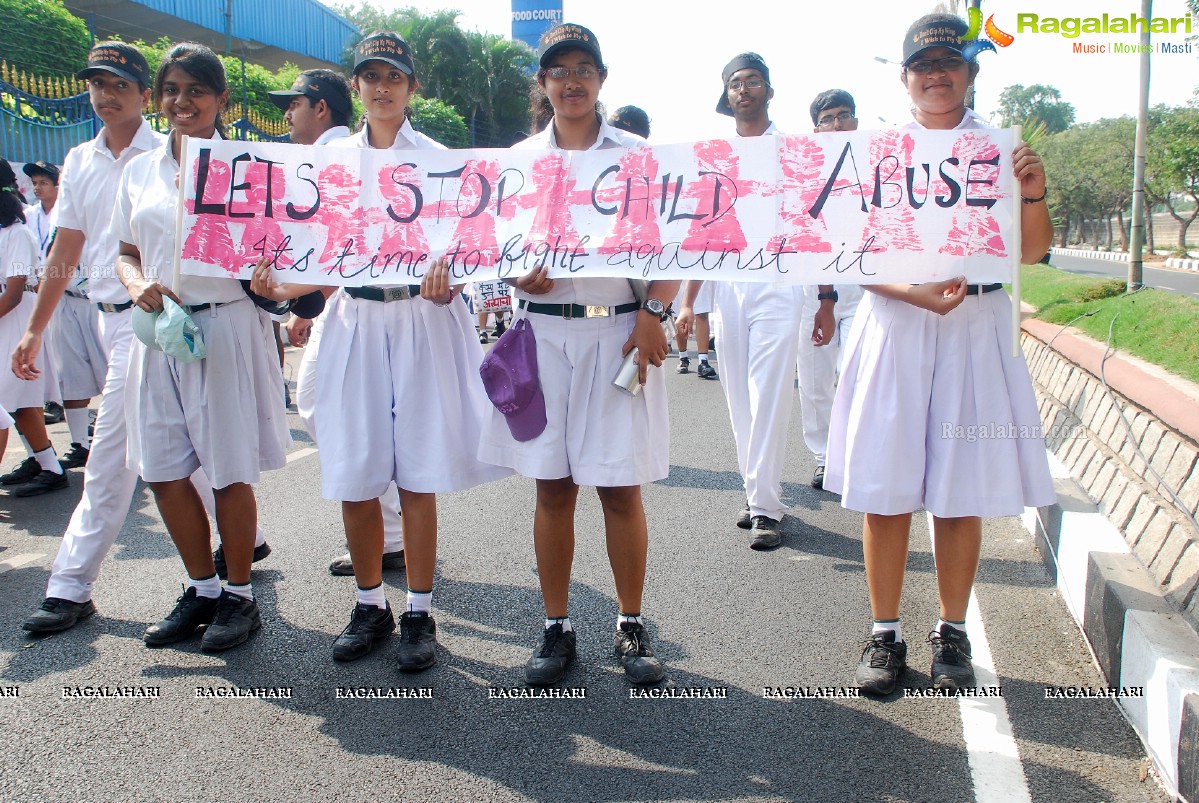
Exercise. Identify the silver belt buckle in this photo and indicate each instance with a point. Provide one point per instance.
(397, 293)
(597, 312)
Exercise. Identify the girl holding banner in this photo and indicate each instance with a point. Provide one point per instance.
(926, 368)
(389, 356)
(223, 412)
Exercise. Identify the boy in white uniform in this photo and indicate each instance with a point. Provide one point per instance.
(118, 82)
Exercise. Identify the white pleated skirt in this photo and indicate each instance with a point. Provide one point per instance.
(595, 433)
(81, 362)
(18, 394)
(935, 411)
(224, 413)
(398, 398)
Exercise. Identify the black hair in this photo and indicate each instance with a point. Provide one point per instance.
(541, 111)
(345, 93)
(632, 119)
(200, 63)
(831, 99)
(12, 205)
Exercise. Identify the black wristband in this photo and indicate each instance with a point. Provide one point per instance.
(1036, 200)
(828, 296)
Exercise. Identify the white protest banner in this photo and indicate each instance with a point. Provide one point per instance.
(864, 207)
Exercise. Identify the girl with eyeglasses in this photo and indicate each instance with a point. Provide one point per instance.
(926, 364)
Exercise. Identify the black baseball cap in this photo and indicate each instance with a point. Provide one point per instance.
(386, 47)
(743, 61)
(119, 58)
(32, 168)
(569, 36)
(314, 87)
(935, 30)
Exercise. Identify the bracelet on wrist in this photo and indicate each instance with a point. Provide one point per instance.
(1036, 200)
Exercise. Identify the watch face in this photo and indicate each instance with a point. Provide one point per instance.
(655, 306)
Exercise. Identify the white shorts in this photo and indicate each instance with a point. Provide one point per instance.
(19, 394)
(934, 411)
(398, 398)
(5, 419)
(82, 365)
(703, 300)
(223, 413)
(595, 433)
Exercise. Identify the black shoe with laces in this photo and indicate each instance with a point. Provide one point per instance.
(745, 519)
(883, 661)
(552, 656)
(684, 365)
(191, 611)
(343, 566)
(56, 614)
(636, 655)
(44, 483)
(76, 457)
(53, 413)
(500, 328)
(951, 669)
(767, 533)
(222, 567)
(706, 371)
(27, 470)
(418, 642)
(818, 478)
(236, 618)
(368, 624)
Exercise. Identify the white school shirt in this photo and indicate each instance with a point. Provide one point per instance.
(18, 254)
(87, 194)
(407, 138)
(336, 132)
(41, 223)
(144, 216)
(971, 119)
(599, 291)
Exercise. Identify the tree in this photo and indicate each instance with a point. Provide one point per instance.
(43, 38)
(440, 121)
(1174, 165)
(1039, 102)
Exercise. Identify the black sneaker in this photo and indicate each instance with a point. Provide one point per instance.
(500, 328)
(555, 651)
(883, 661)
(418, 641)
(482, 335)
(636, 655)
(767, 533)
(342, 566)
(44, 483)
(236, 618)
(745, 519)
(684, 365)
(951, 668)
(191, 611)
(53, 413)
(706, 371)
(27, 470)
(76, 457)
(818, 478)
(57, 614)
(222, 568)
(368, 624)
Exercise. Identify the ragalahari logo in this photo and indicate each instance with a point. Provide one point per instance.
(977, 44)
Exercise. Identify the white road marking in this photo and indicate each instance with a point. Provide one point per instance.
(17, 561)
(301, 453)
(991, 748)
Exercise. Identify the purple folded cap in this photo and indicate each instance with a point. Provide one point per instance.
(509, 374)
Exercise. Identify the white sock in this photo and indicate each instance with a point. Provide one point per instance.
(77, 421)
(372, 596)
(420, 601)
(883, 626)
(684, 355)
(634, 618)
(245, 592)
(209, 587)
(48, 460)
(564, 621)
(703, 357)
(958, 626)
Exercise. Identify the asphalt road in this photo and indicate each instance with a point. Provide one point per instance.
(725, 619)
(1183, 282)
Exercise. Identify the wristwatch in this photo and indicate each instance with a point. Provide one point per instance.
(655, 307)
(827, 296)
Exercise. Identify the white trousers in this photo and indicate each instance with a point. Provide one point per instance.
(818, 366)
(757, 332)
(393, 529)
(108, 484)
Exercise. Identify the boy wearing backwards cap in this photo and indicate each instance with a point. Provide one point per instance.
(118, 79)
(319, 109)
(593, 432)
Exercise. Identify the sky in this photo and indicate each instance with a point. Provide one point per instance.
(666, 56)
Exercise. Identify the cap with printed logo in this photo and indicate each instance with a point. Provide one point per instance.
(314, 87)
(946, 32)
(386, 47)
(568, 36)
(119, 58)
(44, 168)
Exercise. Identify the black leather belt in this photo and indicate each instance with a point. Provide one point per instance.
(400, 293)
(106, 307)
(976, 289)
(571, 311)
(75, 295)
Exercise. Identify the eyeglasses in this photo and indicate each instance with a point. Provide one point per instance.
(583, 73)
(947, 64)
(753, 83)
(828, 120)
